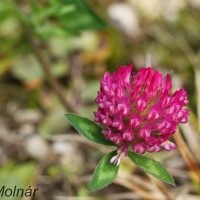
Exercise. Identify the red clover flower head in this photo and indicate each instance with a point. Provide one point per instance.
(138, 110)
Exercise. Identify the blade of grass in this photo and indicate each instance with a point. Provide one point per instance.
(187, 156)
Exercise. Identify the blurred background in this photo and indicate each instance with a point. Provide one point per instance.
(52, 56)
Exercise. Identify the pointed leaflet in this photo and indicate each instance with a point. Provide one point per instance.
(152, 167)
(88, 129)
(105, 172)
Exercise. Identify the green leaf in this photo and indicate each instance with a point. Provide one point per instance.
(104, 173)
(80, 16)
(88, 129)
(152, 167)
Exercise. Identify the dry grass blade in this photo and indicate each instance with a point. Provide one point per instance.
(161, 187)
(193, 138)
(188, 157)
(141, 182)
(197, 83)
(75, 198)
(125, 183)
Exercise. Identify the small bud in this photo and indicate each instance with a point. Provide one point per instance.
(128, 135)
(154, 148)
(144, 132)
(168, 145)
(116, 159)
(135, 120)
(139, 148)
(141, 104)
(118, 123)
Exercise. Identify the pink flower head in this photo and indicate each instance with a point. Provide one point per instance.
(138, 110)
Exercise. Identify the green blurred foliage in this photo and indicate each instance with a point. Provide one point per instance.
(64, 17)
(19, 175)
